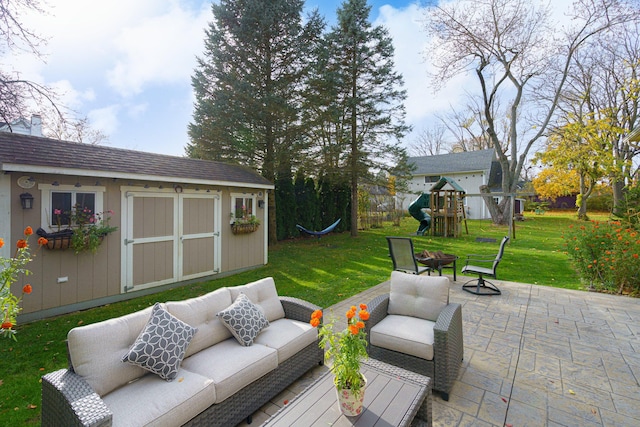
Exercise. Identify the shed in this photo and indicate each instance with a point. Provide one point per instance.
(175, 219)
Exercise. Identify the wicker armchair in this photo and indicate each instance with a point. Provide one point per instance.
(447, 346)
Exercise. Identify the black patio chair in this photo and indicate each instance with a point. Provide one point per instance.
(403, 257)
(480, 285)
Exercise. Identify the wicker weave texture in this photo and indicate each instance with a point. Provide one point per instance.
(448, 345)
(67, 399)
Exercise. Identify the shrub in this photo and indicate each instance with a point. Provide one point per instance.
(605, 255)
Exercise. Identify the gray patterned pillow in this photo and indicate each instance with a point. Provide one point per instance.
(161, 345)
(244, 319)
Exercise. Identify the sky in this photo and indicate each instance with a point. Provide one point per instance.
(127, 66)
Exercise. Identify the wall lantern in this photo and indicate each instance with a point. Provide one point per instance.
(26, 200)
(261, 204)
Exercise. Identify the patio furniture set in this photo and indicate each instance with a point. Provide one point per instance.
(215, 359)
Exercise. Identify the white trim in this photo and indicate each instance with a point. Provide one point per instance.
(11, 167)
(5, 215)
(265, 221)
(45, 200)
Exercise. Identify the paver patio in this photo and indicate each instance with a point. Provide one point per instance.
(534, 356)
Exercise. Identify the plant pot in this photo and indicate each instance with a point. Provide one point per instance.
(56, 240)
(351, 402)
(243, 228)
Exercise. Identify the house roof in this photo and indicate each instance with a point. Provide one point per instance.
(25, 153)
(468, 161)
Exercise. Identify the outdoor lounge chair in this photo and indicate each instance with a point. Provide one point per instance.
(480, 285)
(403, 257)
(415, 327)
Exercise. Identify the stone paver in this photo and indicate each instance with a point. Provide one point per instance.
(534, 356)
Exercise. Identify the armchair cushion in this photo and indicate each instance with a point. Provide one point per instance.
(405, 334)
(418, 296)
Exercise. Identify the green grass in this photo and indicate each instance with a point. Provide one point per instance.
(322, 271)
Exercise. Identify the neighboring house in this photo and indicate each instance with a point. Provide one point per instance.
(172, 213)
(23, 126)
(469, 169)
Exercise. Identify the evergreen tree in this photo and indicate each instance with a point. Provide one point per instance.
(369, 102)
(248, 86)
(286, 202)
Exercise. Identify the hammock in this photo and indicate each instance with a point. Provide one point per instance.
(319, 234)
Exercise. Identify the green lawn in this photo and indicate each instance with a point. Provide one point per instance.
(321, 271)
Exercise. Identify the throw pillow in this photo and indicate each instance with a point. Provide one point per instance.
(161, 345)
(244, 320)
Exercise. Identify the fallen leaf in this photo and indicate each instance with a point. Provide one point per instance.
(80, 322)
(32, 406)
(1, 382)
(508, 425)
(504, 400)
(594, 412)
(41, 369)
(571, 391)
(180, 379)
(286, 401)
(556, 321)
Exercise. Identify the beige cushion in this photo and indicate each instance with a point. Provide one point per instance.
(201, 313)
(288, 337)
(263, 293)
(404, 334)
(96, 351)
(232, 366)
(418, 296)
(153, 401)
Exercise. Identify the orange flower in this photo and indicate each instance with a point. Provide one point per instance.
(354, 329)
(589, 266)
(42, 241)
(360, 325)
(353, 308)
(22, 244)
(351, 314)
(635, 256)
(363, 306)
(27, 289)
(315, 322)
(364, 315)
(6, 325)
(28, 231)
(316, 314)
(1, 242)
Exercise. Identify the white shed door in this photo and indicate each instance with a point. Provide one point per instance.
(169, 237)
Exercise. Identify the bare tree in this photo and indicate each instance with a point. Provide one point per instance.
(517, 52)
(71, 129)
(430, 141)
(16, 93)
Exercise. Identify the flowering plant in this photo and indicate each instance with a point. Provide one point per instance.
(244, 216)
(12, 268)
(346, 348)
(91, 228)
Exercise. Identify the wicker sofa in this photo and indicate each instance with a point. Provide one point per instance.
(221, 380)
(415, 327)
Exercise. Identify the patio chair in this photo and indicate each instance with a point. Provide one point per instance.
(415, 327)
(480, 285)
(403, 257)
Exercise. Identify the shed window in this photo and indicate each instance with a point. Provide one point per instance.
(59, 200)
(242, 207)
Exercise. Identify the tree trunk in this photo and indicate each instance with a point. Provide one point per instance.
(499, 211)
(618, 196)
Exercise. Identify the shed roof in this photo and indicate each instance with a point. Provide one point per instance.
(25, 153)
(468, 161)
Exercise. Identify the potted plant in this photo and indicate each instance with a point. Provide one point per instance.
(243, 222)
(346, 349)
(91, 229)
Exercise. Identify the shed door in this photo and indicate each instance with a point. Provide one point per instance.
(169, 237)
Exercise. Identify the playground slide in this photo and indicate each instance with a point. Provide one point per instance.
(415, 209)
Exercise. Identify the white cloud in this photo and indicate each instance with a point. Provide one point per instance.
(105, 119)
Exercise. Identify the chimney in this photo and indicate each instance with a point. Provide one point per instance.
(36, 125)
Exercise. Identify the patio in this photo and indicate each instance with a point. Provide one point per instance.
(534, 356)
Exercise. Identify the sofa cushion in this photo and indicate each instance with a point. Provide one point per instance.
(404, 334)
(263, 293)
(232, 366)
(418, 296)
(152, 401)
(161, 345)
(288, 337)
(244, 320)
(96, 351)
(201, 313)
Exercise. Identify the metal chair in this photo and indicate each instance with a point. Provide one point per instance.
(482, 286)
(403, 256)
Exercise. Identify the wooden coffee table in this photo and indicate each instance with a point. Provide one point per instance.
(393, 397)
